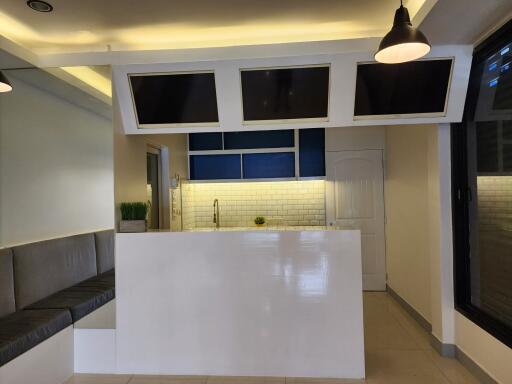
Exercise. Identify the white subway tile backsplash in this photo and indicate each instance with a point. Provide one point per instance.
(280, 202)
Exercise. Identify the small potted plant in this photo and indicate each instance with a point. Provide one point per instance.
(133, 217)
(259, 221)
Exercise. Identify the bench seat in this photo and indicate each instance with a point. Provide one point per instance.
(23, 330)
(82, 298)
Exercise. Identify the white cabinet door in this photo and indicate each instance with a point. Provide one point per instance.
(355, 200)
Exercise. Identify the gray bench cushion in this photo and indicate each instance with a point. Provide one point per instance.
(83, 298)
(7, 304)
(46, 267)
(23, 330)
(104, 250)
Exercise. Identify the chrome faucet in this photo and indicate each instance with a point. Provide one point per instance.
(216, 214)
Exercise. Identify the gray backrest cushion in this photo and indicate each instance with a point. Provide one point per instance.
(104, 250)
(46, 267)
(7, 304)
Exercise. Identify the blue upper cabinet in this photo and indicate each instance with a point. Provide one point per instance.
(269, 165)
(312, 152)
(215, 167)
(283, 138)
(205, 141)
(257, 154)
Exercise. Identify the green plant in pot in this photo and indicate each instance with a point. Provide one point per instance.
(133, 217)
(259, 221)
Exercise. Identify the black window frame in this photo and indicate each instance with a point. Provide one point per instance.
(462, 195)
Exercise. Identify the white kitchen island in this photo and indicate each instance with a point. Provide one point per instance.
(241, 303)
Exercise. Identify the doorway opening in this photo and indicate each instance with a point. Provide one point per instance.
(153, 161)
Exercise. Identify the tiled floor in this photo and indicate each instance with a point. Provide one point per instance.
(397, 352)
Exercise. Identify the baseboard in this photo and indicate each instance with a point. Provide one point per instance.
(482, 376)
(445, 350)
(424, 323)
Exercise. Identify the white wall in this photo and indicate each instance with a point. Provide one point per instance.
(493, 356)
(56, 167)
(407, 213)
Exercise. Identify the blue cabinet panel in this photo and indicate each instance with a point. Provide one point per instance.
(205, 141)
(268, 165)
(215, 167)
(282, 138)
(312, 152)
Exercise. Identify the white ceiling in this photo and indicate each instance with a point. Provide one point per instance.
(129, 25)
(8, 60)
(464, 21)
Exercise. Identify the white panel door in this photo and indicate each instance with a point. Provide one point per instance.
(355, 200)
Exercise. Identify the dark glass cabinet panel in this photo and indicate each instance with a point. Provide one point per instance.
(175, 98)
(215, 167)
(268, 165)
(259, 139)
(285, 93)
(482, 191)
(312, 152)
(410, 88)
(205, 141)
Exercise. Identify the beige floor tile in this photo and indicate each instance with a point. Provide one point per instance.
(389, 336)
(306, 380)
(99, 379)
(166, 379)
(408, 379)
(245, 380)
(394, 362)
(452, 369)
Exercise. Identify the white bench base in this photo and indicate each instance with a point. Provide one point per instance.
(50, 362)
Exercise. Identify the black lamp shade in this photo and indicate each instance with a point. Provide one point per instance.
(403, 43)
(5, 85)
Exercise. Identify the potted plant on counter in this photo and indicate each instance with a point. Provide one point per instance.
(259, 221)
(133, 217)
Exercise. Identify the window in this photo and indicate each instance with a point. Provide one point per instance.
(482, 190)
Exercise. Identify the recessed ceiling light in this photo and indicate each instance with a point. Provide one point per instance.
(40, 6)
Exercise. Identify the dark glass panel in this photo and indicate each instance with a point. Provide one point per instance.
(407, 88)
(175, 98)
(487, 146)
(285, 93)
